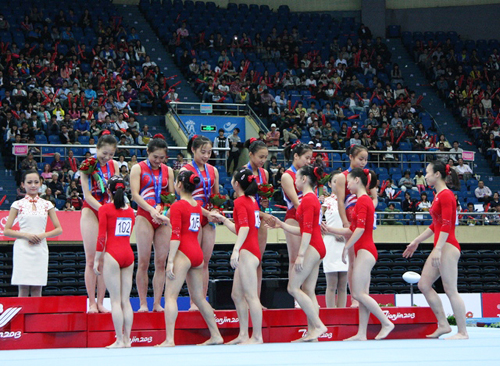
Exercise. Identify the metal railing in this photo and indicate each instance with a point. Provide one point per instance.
(424, 218)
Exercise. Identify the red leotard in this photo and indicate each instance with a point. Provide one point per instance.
(291, 211)
(147, 189)
(96, 192)
(364, 215)
(309, 217)
(115, 227)
(349, 199)
(444, 215)
(246, 214)
(185, 220)
(198, 193)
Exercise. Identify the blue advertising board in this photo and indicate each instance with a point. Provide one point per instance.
(228, 124)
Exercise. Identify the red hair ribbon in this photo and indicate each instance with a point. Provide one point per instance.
(105, 132)
(295, 144)
(194, 137)
(252, 140)
(191, 178)
(368, 175)
(159, 136)
(251, 178)
(448, 169)
(119, 185)
(316, 173)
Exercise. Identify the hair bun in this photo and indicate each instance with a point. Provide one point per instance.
(159, 136)
(196, 180)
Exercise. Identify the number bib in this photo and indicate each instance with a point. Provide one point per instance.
(194, 222)
(123, 226)
(257, 219)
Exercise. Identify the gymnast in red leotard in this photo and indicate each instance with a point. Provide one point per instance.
(443, 260)
(304, 274)
(360, 235)
(186, 259)
(95, 195)
(301, 155)
(246, 256)
(200, 147)
(149, 181)
(116, 222)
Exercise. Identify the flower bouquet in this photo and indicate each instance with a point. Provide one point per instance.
(217, 202)
(89, 167)
(166, 202)
(325, 178)
(266, 190)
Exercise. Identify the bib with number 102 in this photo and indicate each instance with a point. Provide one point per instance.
(123, 226)
(194, 222)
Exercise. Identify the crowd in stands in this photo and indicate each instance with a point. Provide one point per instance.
(467, 76)
(76, 74)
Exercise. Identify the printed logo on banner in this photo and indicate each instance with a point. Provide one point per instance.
(398, 315)
(225, 320)
(468, 155)
(229, 127)
(5, 318)
(190, 125)
(303, 334)
(141, 339)
(3, 221)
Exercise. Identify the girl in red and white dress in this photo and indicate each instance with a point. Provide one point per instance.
(443, 260)
(116, 222)
(360, 235)
(301, 154)
(358, 158)
(185, 259)
(94, 198)
(200, 147)
(149, 180)
(246, 256)
(304, 273)
(257, 154)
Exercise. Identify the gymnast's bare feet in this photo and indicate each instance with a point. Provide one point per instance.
(167, 343)
(253, 341)
(458, 336)
(143, 309)
(117, 344)
(445, 329)
(238, 340)
(384, 332)
(213, 341)
(93, 309)
(157, 308)
(357, 337)
(102, 309)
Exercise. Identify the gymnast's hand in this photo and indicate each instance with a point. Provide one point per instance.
(272, 222)
(235, 257)
(299, 263)
(96, 267)
(410, 249)
(170, 270)
(344, 255)
(212, 216)
(161, 219)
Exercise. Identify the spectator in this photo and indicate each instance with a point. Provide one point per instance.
(273, 137)
(482, 192)
(406, 182)
(424, 204)
(235, 145)
(71, 163)
(420, 181)
(220, 141)
(389, 156)
(66, 136)
(57, 164)
(56, 187)
(408, 205)
(456, 152)
(144, 135)
(390, 216)
(179, 163)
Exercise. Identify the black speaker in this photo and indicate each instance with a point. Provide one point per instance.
(274, 294)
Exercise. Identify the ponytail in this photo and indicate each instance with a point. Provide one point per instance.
(296, 148)
(313, 173)
(247, 181)
(367, 177)
(116, 186)
(445, 170)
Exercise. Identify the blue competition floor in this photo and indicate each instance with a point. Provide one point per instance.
(481, 349)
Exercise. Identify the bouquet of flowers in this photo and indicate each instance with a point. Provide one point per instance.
(89, 167)
(325, 178)
(266, 190)
(217, 202)
(166, 202)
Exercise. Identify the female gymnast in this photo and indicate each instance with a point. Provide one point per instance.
(31, 253)
(443, 260)
(149, 180)
(200, 147)
(303, 277)
(185, 259)
(360, 234)
(301, 154)
(94, 198)
(358, 158)
(246, 256)
(258, 153)
(335, 270)
(116, 222)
